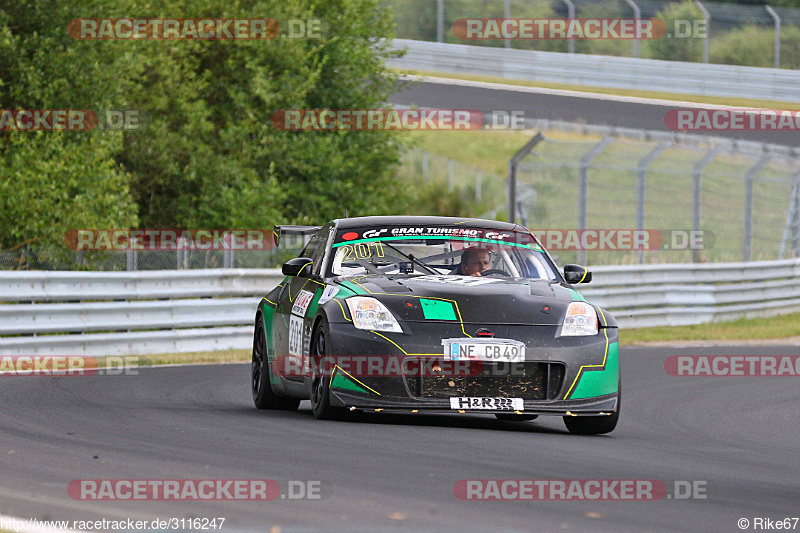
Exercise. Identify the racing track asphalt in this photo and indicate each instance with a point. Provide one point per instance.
(582, 108)
(390, 472)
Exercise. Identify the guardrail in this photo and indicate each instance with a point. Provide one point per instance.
(683, 294)
(601, 71)
(130, 313)
(55, 313)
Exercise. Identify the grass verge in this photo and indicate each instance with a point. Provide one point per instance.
(223, 356)
(744, 329)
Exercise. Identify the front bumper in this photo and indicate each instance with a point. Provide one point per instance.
(563, 376)
(601, 405)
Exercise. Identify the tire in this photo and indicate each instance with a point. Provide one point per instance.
(591, 425)
(594, 425)
(508, 417)
(260, 384)
(321, 381)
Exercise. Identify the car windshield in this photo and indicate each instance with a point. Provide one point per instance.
(442, 250)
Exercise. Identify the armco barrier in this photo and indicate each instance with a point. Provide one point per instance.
(682, 294)
(129, 313)
(601, 71)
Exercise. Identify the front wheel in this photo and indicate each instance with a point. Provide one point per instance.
(591, 425)
(320, 378)
(594, 425)
(260, 384)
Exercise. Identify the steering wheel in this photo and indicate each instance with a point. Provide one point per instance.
(495, 271)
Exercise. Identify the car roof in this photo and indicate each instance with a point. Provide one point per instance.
(408, 220)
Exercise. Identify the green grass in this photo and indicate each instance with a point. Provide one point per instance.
(779, 327)
(716, 100)
(217, 357)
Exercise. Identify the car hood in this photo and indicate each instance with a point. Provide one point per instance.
(475, 300)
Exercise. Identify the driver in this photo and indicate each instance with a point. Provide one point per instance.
(473, 262)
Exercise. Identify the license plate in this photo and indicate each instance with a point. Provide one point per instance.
(490, 350)
(491, 404)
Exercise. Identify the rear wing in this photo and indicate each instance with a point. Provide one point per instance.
(299, 234)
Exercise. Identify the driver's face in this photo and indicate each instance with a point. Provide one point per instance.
(477, 263)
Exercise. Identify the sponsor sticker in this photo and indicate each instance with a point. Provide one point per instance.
(328, 294)
(302, 302)
(295, 335)
(456, 280)
(484, 403)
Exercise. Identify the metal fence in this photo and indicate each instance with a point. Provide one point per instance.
(135, 313)
(707, 199)
(740, 34)
(701, 199)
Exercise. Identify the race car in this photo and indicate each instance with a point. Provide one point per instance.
(434, 314)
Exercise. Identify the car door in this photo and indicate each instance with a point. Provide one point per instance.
(295, 298)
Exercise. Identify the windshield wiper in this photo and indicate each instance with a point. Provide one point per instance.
(411, 258)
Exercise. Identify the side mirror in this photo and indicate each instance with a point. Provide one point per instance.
(577, 274)
(299, 267)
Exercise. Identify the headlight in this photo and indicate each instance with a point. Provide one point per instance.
(369, 313)
(581, 320)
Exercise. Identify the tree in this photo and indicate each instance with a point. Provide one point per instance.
(676, 48)
(51, 182)
(207, 155)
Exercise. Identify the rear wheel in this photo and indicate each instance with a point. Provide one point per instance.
(260, 384)
(321, 376)
(509, 417)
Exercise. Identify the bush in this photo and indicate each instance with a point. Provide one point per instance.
(671, 48)
(754, 46)
(751, 45)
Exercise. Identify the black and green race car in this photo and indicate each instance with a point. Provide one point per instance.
(434, 314)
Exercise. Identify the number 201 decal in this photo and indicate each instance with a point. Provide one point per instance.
(295, 335)
(362, 251)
